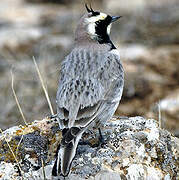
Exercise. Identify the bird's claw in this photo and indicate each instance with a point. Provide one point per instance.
(52, 116)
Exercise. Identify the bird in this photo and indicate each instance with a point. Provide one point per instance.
(90, 85)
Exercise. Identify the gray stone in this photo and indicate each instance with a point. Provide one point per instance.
(135, 148)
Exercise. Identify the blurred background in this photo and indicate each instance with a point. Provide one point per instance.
(147, 37)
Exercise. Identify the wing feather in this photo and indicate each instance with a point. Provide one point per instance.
(84, 84)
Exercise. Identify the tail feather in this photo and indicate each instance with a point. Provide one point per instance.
(67, 151)
(70, 135)
(67, 155)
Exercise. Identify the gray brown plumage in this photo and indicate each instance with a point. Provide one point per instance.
(90, 85)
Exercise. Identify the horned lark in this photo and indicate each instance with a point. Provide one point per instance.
(90, 86)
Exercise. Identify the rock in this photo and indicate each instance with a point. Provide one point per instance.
(136, 149)
(45, 30)
(170, 104)
(19, 39)
(169, 107)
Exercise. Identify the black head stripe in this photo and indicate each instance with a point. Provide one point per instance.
(101, 31)
(96, 13)
(101, 26)
(90, 10)
(87, 8)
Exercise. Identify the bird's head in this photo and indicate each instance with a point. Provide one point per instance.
(95, 25)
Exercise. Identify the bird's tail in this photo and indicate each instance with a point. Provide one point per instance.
(67, 151)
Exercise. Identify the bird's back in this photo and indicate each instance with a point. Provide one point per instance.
(85, 80)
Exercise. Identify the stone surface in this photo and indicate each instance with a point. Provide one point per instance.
(170, 110)
(135, 148)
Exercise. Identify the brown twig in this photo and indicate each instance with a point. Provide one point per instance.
(43, 169)
(16, 99)
(159, 115)
(43, 86)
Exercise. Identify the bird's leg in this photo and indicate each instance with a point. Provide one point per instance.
(121, 117)
(86, 142)
(53, 117)
(101, 138)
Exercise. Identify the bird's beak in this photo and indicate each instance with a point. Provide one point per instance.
(115, 18)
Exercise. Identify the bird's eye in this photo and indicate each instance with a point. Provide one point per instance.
(98, 22)
(91, 14)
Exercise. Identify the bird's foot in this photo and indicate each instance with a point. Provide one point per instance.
(52, 116)
(102, 142)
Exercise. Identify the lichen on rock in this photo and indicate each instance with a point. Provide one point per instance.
(135, 148)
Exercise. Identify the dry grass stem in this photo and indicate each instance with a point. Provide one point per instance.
(43, 86)
(17, 101)
(43, 169)
(19, 144)
(159, 115)
(12, 153)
